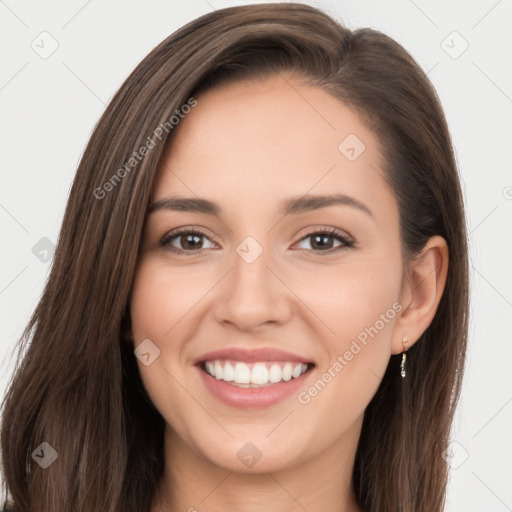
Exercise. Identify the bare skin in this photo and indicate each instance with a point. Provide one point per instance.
(247, 147)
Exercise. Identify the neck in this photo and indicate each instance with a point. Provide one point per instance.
(191, 483)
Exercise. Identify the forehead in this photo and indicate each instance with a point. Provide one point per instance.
(262, 140)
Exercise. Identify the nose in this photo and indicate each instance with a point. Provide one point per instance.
(253, 294)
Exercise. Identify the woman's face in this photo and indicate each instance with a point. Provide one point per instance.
(276, 282)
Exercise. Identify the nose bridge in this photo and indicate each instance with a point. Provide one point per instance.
(251, 276)
(251, 264)
(252, 295)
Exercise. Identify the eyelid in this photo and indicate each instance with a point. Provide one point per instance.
(330, 230)
(346, 239)
(170, 235)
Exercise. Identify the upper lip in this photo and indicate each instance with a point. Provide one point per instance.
(251, 355)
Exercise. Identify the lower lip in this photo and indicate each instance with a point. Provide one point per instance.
(252, 398)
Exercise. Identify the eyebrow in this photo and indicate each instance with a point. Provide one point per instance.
(292, 206)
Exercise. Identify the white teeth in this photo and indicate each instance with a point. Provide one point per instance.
(274, 374)
(228, 374)
(210, 368)
(287, 371)
(242, 373)
(261, 373)
(218, 370)
(297, 371)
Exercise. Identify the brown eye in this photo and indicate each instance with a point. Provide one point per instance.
(190, 241)
(326, 241)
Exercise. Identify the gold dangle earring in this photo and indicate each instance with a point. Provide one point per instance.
(404, 357)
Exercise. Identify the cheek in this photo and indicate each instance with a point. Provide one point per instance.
(156, 306)
(351, 298)
(160, 299)
(358, 307)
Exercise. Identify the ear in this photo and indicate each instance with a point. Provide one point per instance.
(421, 292)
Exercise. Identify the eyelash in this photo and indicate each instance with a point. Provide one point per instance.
(346, 241)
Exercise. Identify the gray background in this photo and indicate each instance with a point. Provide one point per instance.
(49, 104)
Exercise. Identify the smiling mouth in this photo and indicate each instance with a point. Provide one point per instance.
(254, 375)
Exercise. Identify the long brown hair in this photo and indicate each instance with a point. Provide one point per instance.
(77, 385)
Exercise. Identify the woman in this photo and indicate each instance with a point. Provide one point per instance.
(259, 296)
